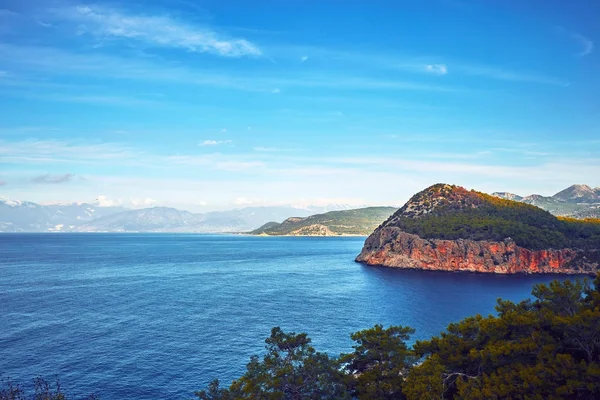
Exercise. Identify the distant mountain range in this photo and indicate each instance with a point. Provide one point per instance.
(361, 221)
(165, 219)
(24, 216)
(576, 201)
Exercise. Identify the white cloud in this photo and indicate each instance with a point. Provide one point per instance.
(439, 69)
(7, 13)
(59, 62)
(341, 203)
(59, 152)
(274, 176)
(507, 75)
(224, 130)
(303, 58)
(213, 142)
(142, 202)
(238, 165)
(159, 31)
(104, 201)
(587, 45)
(53, 179)
(242, 201)
(43, 24)
(116, 101)
(276, 90)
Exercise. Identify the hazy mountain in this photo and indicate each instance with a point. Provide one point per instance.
(507, 196)
(165, 219)
(156, 219)
(578, 194)
(25, 216)
(253, 217)
(577, 201)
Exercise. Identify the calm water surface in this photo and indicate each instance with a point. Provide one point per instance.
(158, 316)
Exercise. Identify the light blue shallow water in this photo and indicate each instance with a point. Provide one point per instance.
(158, 316)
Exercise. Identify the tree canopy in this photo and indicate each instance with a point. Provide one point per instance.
(544, 348)
(478, 216)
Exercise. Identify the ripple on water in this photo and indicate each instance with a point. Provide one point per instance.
(159, 316)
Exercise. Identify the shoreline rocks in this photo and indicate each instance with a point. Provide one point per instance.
(389, 246)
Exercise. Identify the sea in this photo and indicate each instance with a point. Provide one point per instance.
(158, 316)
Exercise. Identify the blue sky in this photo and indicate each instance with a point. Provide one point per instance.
(209, 105)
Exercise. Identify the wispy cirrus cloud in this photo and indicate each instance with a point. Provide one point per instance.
(242, 201)
(265, 149)
(238, 165)
(7, 13)
(113, 100)
(62, 152)
(142, 202)
(253, 174)
(158, 31)
(213, 142)
(423, 65)
(503, 74)
(438, 69)
(587, 45)
(53, 179)
(58, 63)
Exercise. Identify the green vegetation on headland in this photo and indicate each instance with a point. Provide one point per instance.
(452, 212)
(361, 221)
(541, 349)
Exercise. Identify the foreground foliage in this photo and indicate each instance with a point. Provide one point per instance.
(545, 348)
(42, 390)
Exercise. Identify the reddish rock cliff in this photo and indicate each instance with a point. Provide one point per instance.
(449, 228)
(391, 247)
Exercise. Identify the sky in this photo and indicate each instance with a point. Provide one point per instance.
(208, 105)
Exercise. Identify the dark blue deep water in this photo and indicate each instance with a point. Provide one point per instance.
(158, 316)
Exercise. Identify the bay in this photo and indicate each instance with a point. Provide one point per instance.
(148, 316)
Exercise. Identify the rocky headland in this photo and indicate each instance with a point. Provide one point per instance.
(448, 228)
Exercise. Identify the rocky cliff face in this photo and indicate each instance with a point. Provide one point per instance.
(390, 247)
(446, 209)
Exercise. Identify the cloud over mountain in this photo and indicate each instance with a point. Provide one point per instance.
(52, 179)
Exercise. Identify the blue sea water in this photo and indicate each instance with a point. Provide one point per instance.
(157, 316)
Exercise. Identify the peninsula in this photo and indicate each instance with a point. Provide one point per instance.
(449, 228)
(357, 222)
